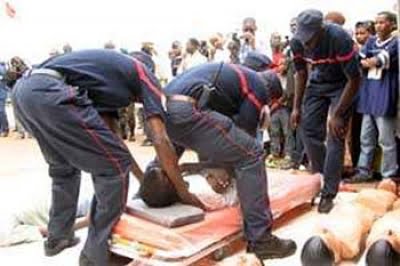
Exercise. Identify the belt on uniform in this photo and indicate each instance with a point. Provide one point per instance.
(48, 72)
(181, 98)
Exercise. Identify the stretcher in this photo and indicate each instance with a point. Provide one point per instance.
(153, 244)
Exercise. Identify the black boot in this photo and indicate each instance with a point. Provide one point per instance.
(85, 261)
(325, 204)
(53, 247)
(272, 247)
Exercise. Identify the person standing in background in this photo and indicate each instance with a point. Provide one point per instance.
(218, 51)
(192, 56)
(4, 130)
(175, 55)
(17, 68)
(363, 30)
(282, 143)
(378, 99)
(297, 157)
(249, 40)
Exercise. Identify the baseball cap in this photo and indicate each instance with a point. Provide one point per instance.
(309, 22)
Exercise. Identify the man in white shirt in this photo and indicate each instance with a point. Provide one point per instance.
(249, 41)
(218, 51)
(192, 57)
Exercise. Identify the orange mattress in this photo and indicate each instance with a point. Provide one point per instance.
(139, 239)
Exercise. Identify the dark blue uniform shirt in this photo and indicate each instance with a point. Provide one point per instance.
(239, 92)
(332, 61)
(111, 79)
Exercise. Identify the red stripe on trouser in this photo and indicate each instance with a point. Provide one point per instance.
(223, 132)
(97, 140)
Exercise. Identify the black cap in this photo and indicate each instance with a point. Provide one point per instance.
(309, 22)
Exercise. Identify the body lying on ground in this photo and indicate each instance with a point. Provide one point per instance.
(383, 242)
(340, 234)
(219, 192)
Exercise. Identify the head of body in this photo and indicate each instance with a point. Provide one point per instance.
(363, 30)
(192, 46)
(335, 18)
(382, 253)
(385, 24)
(316, 253)
(249, 28)
(157, 190)
(310, 28)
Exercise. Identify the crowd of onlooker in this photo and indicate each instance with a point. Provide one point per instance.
(372, 131)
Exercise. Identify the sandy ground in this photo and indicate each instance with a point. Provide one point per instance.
(23, 172)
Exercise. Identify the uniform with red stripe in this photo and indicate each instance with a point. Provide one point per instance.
(331, 60)
(112, 80)
(239, 92)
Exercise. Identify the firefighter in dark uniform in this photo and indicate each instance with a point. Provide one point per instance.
(214, 109)
(68, 104)
(332, 85)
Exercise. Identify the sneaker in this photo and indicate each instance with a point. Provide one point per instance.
(325, 204)
(85, 261)
(359, 178)
(132, 138)
(54, 247)
(272, 247)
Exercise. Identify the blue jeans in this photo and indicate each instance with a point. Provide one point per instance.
(378, 130)
(215, 137)
(3, 114)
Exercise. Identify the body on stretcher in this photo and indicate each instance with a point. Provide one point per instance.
(146, 241)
